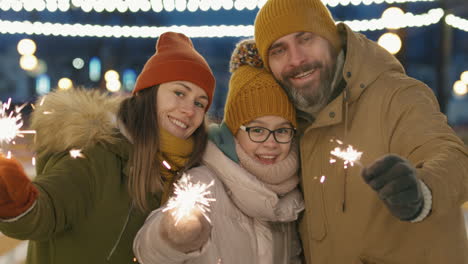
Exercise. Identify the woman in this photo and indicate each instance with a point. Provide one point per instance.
(99, 166)
(254, 164)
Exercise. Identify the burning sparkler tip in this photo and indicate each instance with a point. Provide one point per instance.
(11, 122)
(166, 164)
(189, 197)
(322, 179)
(76, 153)
(350, 156)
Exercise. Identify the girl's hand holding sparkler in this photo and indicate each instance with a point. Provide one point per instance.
(185, 224)
(189, 234)
(17, 193)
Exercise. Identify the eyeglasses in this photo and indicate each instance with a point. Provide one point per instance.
(260, 134)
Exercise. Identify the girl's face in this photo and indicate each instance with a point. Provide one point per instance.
(269, 151)
(181, 107)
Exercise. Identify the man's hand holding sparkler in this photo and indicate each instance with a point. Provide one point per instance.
(395, 181)
(188, 234)
(17, 193)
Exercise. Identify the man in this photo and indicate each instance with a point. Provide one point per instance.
(403, 204)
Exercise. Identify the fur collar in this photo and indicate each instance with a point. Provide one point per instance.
(76, 118)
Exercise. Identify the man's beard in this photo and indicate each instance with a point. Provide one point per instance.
(306, 98)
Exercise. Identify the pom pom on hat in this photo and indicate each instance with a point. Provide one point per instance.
(245, 53)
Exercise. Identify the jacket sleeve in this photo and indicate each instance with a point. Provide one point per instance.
(416, 129)
(150, 248)
(68, 189)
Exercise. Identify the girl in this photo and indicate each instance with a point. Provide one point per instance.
(99, 166)
(254, 164)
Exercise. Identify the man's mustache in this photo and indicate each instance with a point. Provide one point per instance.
(303, 68)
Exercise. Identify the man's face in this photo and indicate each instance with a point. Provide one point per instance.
(304, 64)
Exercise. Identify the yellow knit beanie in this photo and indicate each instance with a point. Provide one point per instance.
(278, 18)
(253, 92)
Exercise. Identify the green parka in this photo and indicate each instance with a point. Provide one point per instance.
(84, 213)
(381, 110)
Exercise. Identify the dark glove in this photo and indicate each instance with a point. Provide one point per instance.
(394, 179)
(17, 193)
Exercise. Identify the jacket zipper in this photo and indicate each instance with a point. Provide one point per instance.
(121, 234)
(346, 102)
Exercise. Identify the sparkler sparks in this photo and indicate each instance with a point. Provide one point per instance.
(166, 164)
(76, 153)
(11, 123)
(322, 179)
(188, 197)
(349, 155)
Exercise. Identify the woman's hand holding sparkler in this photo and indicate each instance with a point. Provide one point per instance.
(188, 234)
(17, 193)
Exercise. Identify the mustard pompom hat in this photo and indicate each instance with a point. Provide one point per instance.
(253, 92)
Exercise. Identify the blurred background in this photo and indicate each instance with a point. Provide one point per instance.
(103, 44)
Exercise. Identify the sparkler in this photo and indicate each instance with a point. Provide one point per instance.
(188, 197)
(11, 123)
(322, 179)
(76, 153)
(349, 155)
(166, 164)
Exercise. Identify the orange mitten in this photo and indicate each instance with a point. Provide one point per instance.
(17, 193)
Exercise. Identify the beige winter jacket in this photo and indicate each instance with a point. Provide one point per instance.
(381, 111)
(240, 232)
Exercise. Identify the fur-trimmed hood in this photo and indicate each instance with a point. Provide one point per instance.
(76, 118)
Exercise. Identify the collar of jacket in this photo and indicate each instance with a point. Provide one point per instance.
(250, 195)
(357, 74)
(121, 147)
(222, 137)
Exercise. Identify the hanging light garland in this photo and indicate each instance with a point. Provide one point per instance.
(457, 22)
(87, 30)
(162, 5)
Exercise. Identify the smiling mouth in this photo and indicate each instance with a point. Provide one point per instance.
(178, 123)
(304, 74)
(267, 159)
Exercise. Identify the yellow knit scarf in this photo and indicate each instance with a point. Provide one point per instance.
(175, 152)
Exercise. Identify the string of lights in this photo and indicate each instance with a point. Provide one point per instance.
(86, 30)
(161, 5)
(457, 22)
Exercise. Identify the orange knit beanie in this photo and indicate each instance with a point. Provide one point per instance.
(278, 18)
(176, 60)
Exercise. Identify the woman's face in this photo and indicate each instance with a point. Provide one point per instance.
(181, 107)
(270, 151)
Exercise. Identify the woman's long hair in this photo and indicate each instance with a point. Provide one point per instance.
(139, 115)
